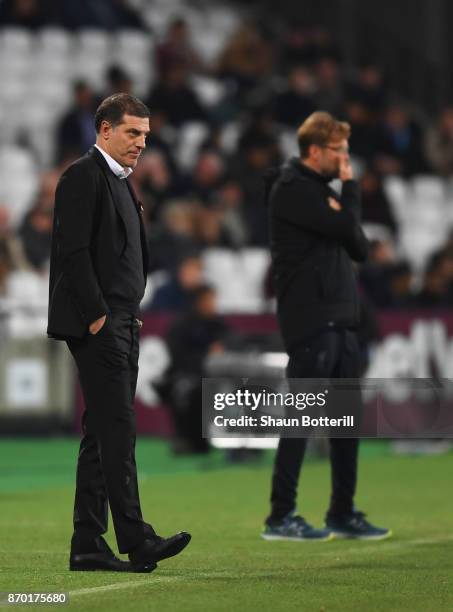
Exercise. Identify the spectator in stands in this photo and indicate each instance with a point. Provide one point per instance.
(75, 132)
(386, 281)
(302, 45)
(368, 89)
(118, 81)
(246, 59)
(207, 175)
(292, 107)
(157, 183)
(296, 46)
(174, 94)
(213, 230)
(103, 14)
(364, 136)
(191, 340)
(175, 294)
(437, 289)
(229, 199)
(177, 49)
(29, 14)
(376, 206)
(439, 143)
(36, 228)
(163, 138)
(329, 95)
(174, 237)
(399, 148)
(258, 154)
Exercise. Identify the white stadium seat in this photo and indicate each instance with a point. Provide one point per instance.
(191, 136)
(429, 188)
(18, 181)
(133, 42)
(92, 42)
(54, 42)
(15, 42)
(396, 190)
(238, 278)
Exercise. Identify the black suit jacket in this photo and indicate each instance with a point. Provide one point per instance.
(89, 236)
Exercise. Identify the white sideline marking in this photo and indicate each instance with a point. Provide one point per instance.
(124, 585)
(387, 547)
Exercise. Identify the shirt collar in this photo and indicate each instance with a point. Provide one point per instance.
(114, 166)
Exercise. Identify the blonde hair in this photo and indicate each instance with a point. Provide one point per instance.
(319, 129)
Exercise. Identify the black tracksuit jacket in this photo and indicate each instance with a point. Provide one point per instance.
(315, 235)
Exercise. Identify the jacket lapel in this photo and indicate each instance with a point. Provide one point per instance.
(111, 180)
(144, 241)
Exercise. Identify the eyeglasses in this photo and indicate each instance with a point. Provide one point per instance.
(336, 149)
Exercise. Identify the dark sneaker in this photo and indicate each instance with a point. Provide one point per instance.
(295, 528)
(356, 527)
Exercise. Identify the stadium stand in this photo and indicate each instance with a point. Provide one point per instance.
(40, 62)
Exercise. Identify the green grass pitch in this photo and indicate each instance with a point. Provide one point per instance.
(227, 566)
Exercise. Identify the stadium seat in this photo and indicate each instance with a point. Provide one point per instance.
(92, 42)
(46, 89)
(26, 303)
(210, 91)
(396, 190)
(417, 243)
(238, 278)
(376, 231)
(54, 42)
(191, 136)
(56, 66)
(18, 181)
(12, 90)
(209, 45)
(133, 43)
(154, 281)
(15, 42)
(428, 188)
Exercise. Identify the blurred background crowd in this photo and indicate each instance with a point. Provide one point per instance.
(227, 89)
(227, 83)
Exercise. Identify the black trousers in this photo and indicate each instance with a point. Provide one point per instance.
(106, 471)
(331, 354)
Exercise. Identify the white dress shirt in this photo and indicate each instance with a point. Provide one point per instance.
(114, 166)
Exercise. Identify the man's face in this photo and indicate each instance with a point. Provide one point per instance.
(331, 156)
(126, 141)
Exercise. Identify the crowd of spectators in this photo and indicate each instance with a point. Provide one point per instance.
(268, 81)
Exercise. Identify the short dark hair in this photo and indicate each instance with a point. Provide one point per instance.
(113, 108)
(318, 129)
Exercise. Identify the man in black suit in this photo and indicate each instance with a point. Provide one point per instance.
(97, 279)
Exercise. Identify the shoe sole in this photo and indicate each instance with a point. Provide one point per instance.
(338, 535)
(146, 568)
(278, 538)
(96, 568)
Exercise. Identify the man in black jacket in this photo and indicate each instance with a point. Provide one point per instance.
(315, 236)
(98, 274)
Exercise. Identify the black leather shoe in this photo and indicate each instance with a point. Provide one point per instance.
(93, 556)
(157, 549)
(91, 562)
